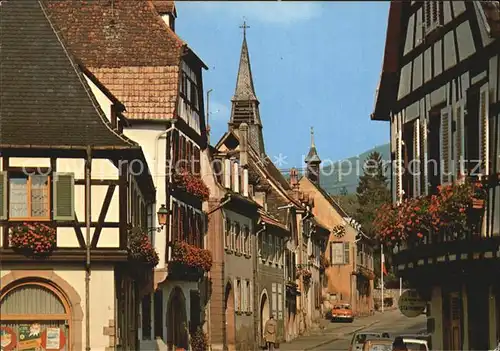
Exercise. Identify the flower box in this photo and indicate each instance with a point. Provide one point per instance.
(188, 260)
(193, 184)
(452, 210)
(140, 250)
(33, 238)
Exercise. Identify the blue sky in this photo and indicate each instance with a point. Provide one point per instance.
(313, 63)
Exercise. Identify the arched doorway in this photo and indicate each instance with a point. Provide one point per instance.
(35, 315)
(230, 318)
(177, 328)
(265, 313)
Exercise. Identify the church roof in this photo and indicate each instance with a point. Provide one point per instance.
(245, 89)
(45, 99)
(312, 156)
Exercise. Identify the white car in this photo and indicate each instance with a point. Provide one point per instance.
(358, 339)
(416, 344)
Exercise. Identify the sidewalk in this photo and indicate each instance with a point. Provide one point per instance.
(332, 332)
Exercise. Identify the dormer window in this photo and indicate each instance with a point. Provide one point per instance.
(432, 15)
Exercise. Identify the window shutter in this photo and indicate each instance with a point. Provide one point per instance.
(197, 164)
(460, 139)
(399, 161)
(424, 157)
(346, 253)
(3, 195)
(484, 129)
(416, 158)
(64, 196)
(427, 14)
(236, 289)
(175, 147)
(445, 145)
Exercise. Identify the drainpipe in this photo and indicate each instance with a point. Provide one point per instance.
(256, 291)
(157, 139)
(88, 165)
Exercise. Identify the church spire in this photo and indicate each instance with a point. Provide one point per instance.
(313, 161)
(244, 83)
(245, 105)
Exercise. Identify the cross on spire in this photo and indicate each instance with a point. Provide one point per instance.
(312, 136)
(244, 27)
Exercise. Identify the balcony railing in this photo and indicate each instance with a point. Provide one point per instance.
(458, 225)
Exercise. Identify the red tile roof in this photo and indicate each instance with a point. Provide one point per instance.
(147, 92)
(128, 47)
(164, 6)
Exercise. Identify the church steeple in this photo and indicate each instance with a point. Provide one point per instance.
(313, 161)
(245, 105)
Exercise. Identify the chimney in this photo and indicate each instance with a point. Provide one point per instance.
(166, 9)
(227, 173)
(243, 133)
(294, 178)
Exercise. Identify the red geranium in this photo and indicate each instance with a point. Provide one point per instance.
(305, 274)
(192, 183)
(38, 238)
(191, 256)
(140, 248)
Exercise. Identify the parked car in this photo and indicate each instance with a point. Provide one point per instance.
(359, 339)
(384, 344)
(342, 312)
(413, 344)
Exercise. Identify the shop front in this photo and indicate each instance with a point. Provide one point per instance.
(34, 316)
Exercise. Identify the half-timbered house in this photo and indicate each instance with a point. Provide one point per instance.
(70, 194)
(439, 90)
(132, 48)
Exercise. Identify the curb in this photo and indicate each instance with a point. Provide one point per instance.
(337, 338)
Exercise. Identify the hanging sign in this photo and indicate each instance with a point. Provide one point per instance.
(411, 304)
(53, 339)
(29, 337)
(7, 339)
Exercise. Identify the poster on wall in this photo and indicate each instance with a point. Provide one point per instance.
(7, 339)
(29, 337)
(53, 339)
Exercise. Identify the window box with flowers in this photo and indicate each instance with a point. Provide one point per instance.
(193, 184)
(33, 238)
(141, 253)
(305, 274)
(453, 213)
(189, 262)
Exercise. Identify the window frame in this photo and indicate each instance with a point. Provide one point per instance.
(341, 244)
(18, 174)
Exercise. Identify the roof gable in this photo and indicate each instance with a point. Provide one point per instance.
(45, 99)
(336, 206)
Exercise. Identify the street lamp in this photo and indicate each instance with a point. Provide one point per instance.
(162, 219)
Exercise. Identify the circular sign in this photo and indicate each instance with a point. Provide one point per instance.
(411, 304)
(8, 339)
(53, 339)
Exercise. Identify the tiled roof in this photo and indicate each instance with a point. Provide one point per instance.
(147, 92)
(44, 98)
(119, 33)
(164, 6)
(129, 48)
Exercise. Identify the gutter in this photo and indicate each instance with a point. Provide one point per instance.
(88, 165)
